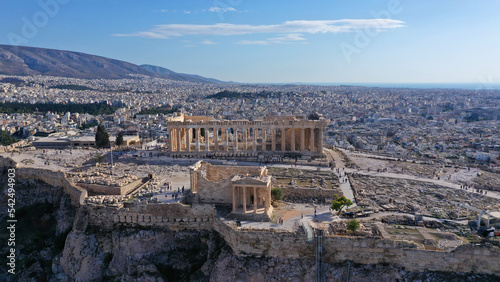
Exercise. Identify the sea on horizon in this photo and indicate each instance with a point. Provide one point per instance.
(471, 86)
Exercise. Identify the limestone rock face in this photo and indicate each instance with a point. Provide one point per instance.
(45, 215)
(83, 256)
(132, 254)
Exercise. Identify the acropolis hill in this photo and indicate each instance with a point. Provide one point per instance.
(202, 208)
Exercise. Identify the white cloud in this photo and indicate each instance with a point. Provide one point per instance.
(253, 42)
(290, 27)
(187, 12)
(286, 38)
(220, 9)
(208, 42)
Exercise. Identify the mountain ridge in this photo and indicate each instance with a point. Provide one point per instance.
(24, 60)
(184, 76)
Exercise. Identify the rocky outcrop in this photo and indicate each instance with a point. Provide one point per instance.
(140, 254)
(44, 217)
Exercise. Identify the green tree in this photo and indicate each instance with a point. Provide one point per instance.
(119, 139)
(6, 139)
(313, 116)
(101, 137)
(352, 225)
(339, 203)
(277, 194)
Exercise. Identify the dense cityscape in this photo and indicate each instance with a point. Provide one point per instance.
(426, 124)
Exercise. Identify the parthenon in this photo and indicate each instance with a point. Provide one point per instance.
(271, 135)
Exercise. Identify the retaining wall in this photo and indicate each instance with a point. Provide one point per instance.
(361, 250)
(111, 190)
(54, 178)
(174, 216)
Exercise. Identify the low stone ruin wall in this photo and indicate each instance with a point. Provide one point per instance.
(111, 190)
(293, 194)
(12, 147)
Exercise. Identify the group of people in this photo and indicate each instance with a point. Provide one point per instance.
(480, 191)
(176, 194)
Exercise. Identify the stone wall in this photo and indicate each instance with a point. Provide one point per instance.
(54, 178)
(361, 250)
(175, 216)
(12, 147)
(111, 190)
(216, 173)
(291, 193)
(214, 192)
(287, 244)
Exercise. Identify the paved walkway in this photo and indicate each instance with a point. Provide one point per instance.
(491, 194)
(291, 219)
(345, 184)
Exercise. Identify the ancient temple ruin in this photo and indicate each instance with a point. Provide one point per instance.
(274, 134)
(246, 188)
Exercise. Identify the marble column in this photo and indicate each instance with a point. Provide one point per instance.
(216, 139)
(188, 130)
(283, 139)
(207, 138)
(255, 199)
(264, 139)
(267, 199)
(311, 139)
(273, 139)
(292, 143)
(302, 139)
(244, 199)
(320, 140)
(226, 138)
(191, 130)
(198, 133)
(234, 198)
(171, 139)
(235, 136)
(245, 137)
(255, 135)
(178, 139)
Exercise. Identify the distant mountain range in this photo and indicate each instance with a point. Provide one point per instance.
(20, 60)
(179, 76)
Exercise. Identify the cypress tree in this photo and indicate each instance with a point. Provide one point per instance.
(119, 139)
(101, 137)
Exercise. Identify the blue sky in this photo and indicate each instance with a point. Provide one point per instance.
(425, 41)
